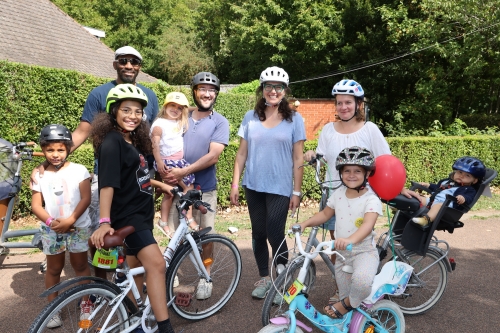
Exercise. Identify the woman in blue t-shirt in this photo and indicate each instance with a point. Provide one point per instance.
(271, 152)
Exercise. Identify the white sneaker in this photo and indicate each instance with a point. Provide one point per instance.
(176, 281)
(55, 321)
(204, 290)
(86, 308)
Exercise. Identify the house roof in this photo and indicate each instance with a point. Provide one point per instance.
(37, 32)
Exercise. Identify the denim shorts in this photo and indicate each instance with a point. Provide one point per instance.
(74, 242)
(330, 224)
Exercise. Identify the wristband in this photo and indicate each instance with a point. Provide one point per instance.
(49, 221)
(104, 220)
(297, 193)
(234, 186)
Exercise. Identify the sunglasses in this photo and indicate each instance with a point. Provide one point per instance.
(133, 61)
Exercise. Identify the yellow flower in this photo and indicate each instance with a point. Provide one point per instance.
(358, 222)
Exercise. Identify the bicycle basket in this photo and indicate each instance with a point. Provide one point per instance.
(8, 167)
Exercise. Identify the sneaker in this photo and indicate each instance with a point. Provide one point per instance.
(176, 281)
(55, 321)
(204, 289)
(278, 299)
(86, 308)
(263, 286)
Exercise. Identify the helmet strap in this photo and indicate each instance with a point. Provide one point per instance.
(357, 188)
(272, 105)
(355, 112)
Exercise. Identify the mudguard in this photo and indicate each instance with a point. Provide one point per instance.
(65, 284)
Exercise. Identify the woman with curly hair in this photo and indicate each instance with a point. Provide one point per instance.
(121, 140)
(271, 146)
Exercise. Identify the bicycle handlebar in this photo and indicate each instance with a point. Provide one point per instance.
(191, 198)
(319, 248)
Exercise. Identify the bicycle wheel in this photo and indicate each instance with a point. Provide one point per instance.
(388, 315)
(225, 272)
(67, 305)
(275, 307)
(425, 288)
(271, 328)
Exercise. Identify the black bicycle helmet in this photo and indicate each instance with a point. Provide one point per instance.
(55, 132)
(470, 165)
(355, 156)
(205, 78)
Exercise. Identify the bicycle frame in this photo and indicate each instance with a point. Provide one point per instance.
(181, 233)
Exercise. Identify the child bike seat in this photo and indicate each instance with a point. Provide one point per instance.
(403, 203)
(391, 280)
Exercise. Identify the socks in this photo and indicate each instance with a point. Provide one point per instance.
(423, 221)
(165, 326)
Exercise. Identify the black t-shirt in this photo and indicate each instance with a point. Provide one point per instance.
(124, 168)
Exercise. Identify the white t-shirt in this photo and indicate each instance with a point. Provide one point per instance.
(350, 212)
(331, 143)
(61, 192)
(171, 140)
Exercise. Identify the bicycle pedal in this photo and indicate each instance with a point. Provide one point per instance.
(183, 299)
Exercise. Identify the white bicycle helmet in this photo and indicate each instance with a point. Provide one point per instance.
(348, 87)
(274, 74)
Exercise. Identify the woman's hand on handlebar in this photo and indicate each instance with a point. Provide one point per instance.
(309, 155)
(409, 193)
(97, 237)
(234, 196)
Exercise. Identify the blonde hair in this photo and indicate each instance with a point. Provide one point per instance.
(182, 122)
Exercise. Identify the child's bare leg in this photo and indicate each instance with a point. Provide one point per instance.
(166, 204)
(189, 214)
(430, 216)
(81, 267)
(55, 265)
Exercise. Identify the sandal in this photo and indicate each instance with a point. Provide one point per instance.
(197, 226)
(330, 308)
(334, 299)
(161, 225)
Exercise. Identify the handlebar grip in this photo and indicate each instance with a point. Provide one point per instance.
(39, 154)
(199, 205)
(349, 247)
(31, 143)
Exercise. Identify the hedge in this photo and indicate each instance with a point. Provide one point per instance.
(34, 96)
(425, 159)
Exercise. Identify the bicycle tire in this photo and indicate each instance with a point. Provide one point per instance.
(281, 284)
(225, 273)
(272, 328)
(425, 289)
(67, 304)
(389, 316)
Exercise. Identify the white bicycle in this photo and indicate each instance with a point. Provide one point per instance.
(186, 262)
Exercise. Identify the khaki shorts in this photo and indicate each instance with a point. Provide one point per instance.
(204, 220)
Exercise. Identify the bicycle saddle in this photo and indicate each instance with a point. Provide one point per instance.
(117, 238)
(403, 203)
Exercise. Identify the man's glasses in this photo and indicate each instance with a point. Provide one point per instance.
(128, 112)
(277, 87)
(205, 90)
(133, 61)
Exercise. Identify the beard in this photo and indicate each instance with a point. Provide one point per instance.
(127, 78)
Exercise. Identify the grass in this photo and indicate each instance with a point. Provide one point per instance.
(488, 203)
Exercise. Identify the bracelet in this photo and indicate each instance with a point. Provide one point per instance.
(104, 220)
(234, 186)
(49, 221)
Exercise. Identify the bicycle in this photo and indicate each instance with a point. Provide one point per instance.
(11, 161)
(430, 269)
(113, 311)
(374, 314)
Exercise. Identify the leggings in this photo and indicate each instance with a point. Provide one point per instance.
(358, 285)
(268, 214)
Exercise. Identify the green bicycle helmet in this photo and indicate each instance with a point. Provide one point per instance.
(125, 91)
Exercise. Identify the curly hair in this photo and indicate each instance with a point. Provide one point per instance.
(360, 116)
(284, 107)
(104, 123)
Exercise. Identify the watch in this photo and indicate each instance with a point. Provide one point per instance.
(297, 193)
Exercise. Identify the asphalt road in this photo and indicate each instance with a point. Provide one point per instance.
(471, 301)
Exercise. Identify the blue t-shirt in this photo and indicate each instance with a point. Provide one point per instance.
(197, 139)
(269, 164)
(96, 103)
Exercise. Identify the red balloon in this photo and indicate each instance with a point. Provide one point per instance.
(389, 177)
